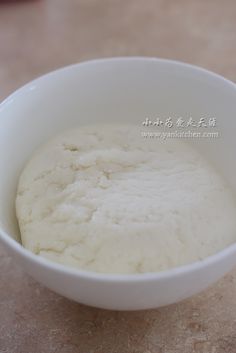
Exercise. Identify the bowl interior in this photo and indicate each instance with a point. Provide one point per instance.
(114, 90)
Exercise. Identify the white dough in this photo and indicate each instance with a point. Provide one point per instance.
(104, 199)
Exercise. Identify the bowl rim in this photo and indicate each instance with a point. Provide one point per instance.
(171, 273)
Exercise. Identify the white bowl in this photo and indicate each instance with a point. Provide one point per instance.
(124, 89)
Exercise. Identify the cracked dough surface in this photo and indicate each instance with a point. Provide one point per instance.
(104, 199)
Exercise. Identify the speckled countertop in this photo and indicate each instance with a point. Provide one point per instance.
(40, 35)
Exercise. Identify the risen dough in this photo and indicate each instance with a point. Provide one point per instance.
(102, 198)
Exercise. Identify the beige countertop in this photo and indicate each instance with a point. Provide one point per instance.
(40, 35)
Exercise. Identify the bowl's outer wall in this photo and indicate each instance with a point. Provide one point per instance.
(150, 292)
